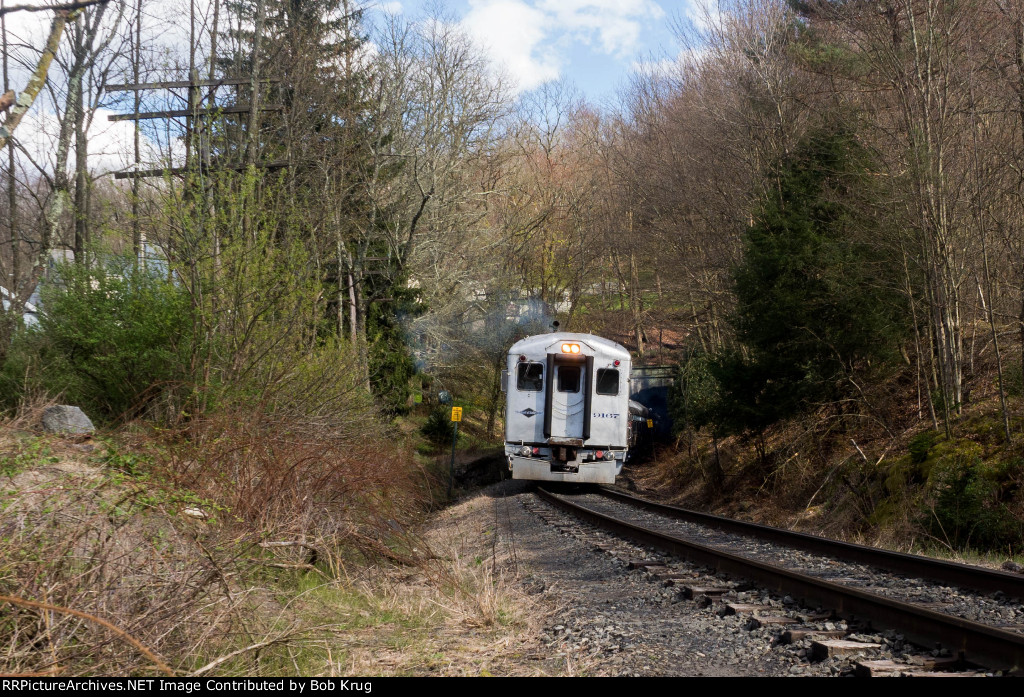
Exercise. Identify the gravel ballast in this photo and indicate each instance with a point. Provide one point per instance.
(610, 619)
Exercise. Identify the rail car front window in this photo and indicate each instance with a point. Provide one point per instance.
(568, 378)
(607, 381)
(530, 377)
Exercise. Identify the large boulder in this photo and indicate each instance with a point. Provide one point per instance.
(66, 419)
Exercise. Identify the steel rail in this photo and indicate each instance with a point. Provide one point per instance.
(988, 646)
(947, 572)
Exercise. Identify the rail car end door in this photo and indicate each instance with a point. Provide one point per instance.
(569, 396)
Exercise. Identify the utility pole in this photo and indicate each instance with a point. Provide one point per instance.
(195, 113)
(193, 99)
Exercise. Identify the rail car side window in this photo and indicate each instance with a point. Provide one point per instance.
(530, 377)
(568, 378)
(607, 381)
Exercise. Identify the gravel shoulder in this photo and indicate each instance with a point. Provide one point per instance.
(556, 597)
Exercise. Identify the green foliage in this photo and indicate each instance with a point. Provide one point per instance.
(391, 365)
(19, 374)
(439, 428)
(693, 399)
(129, 463)
(34, 452)
(112, 338)
(813, 304)
(261, 307)
(920, 445)
(969, 509)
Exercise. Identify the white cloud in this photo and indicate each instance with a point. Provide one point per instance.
(530, 38)
(515, 35)
(111, 144)
(615, 24)
(389, 8)
(705, 14)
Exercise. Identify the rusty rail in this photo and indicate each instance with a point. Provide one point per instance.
(975, 642)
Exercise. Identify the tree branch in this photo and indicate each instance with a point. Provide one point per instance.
(38, 79)
(61, 7)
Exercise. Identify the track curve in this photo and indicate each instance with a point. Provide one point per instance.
(976, 642)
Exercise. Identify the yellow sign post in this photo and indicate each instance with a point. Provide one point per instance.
(456, 418)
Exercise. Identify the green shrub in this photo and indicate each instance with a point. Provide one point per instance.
(815, 305)
(391, 365)
(112, 339)
(439, 427)
(920, 445)
(693, 396)
(969, 510)
(19, 374)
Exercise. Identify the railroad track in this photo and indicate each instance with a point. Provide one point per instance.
(963, 575)
(856, 582)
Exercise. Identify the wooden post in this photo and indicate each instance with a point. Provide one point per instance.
(137, 242)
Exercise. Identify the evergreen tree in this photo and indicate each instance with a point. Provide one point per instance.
(329, 133)
(814, 307)
(391, 365)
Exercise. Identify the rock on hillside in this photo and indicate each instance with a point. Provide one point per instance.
(66, 419)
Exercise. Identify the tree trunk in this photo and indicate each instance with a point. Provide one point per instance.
(81, 168)
(38, 78)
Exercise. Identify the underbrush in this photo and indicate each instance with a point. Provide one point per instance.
(101, 573)
(285, 480)
(872, 470)
(240, 544)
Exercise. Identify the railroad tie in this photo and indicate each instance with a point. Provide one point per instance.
(757, 622)
(740, 609)
(888, 669)
(791, 636)
(838, 648)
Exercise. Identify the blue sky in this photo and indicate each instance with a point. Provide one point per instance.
(593, 43)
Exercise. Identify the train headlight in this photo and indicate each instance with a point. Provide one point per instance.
(570, 348)
(608, 455)
(526, 451)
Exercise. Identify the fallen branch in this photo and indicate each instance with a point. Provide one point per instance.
(227, 657)
(92, 618)
(294, 565)
(314, 553)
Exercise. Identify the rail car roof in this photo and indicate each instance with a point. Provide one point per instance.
(538, 344)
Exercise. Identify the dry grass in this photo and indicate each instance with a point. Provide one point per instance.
(101, 575)
(119, 560)
(242, 547)
(459, 612)
(283, 481)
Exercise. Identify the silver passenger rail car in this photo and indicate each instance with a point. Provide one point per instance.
(567, 416)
